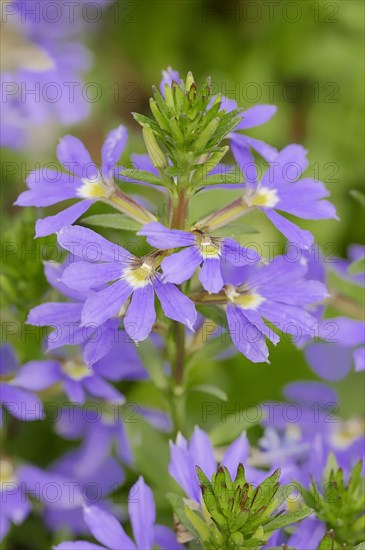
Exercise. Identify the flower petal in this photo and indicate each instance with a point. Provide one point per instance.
(78, 545)
(236, 254)
(165, 538)
(210, 275)
(86, 275)
(246, 337)
(74, 390)
(74, 156)
(359, 359)
(142, 513)
(98, 387)
(54, 314)
(330, 361)
(175, 304)
(288, 318)
(287, 167)
(91, 246)
(53, 224)
(113, 148)
(105, 304)
(255, 116)
(181, 266)
(292, 232)
(202, 453)
(22, 404)
(107, 529)
(164, 238)
(236, 453)
(141, 313)
(37, 375)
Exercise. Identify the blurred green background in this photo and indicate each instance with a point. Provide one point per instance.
(306, 57)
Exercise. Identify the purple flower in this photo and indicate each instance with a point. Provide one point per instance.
(107, 530)
(84, 181)
(132, 276)
(308, 534)
(168, 76)
(65, 317)
(281, 189)
(15, 506)
(21, 403)
(343, 344)
(278, 292)
(200, 249)
(199, 452)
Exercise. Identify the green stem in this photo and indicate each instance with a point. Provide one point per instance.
(224, 216)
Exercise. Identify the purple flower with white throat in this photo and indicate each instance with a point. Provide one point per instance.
(278, 292)
(130, 276)
(15, 504)
(84, 181)
(107, 530)
(281, 189)
(21, 402)
(200, 249)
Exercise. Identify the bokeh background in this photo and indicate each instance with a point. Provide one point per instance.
(305, 57)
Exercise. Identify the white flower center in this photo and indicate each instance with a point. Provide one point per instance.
(244, 299)
(262, 196)
(139, 277)
(209, 247)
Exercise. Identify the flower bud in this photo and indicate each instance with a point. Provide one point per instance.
(158, 158)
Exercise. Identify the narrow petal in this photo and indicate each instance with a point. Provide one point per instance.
(164, 238)
(9, 362)
(74, 390)
(44, 195)
(310, 392)
(22, 404)
(113, 148)
(96, 386)
(54, 314)
(37, 375)
(359, 359)
(236, 453)
(300, 200)
(330, 361)
(287, 167)
(91, 246)
(142, 513)
(287, 318)
(74, 156)
(175, 304)
(236, 254)
(53, 273)
(210, 275)
(101, 344)
(267, 152)
(255, 318)
(246, 337)
(107, 529)
(53, 224)
(292, 232)
(105, 304)
(257, 115)
(299, 293)
(202, 453)
(86, 275)
(244, 157)
(181, 266)
(141, 313)
(182, 469)
(78, 545)
(165, 538)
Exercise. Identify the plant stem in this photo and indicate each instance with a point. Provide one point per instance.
(131, 208)
(225, 215)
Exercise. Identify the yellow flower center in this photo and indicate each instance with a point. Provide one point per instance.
(210, 247)
(243, 298)
(77, 370)
(263, 196)
(6, 473)
(139, 275)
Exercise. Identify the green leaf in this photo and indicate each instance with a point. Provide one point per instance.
(141, 175)
(359, 196)
(211, 390)
(328, 541)
(287, 519)
(113, 221)
(180, 508)
(219, 179)
(215, 314)
(357, 267)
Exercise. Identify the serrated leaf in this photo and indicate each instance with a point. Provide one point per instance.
(287, 519)
(327, 543)
(211, 390)
(113, 221)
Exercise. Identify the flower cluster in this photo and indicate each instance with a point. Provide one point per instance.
(216, 294)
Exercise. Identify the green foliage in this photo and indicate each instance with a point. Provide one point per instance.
(339, 504)
(236, 515)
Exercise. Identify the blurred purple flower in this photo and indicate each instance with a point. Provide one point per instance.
(15, 505)
(21, 402)
(132, 276)
(200, 249)
(168, 76)
(84, 181)
(108, 531)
